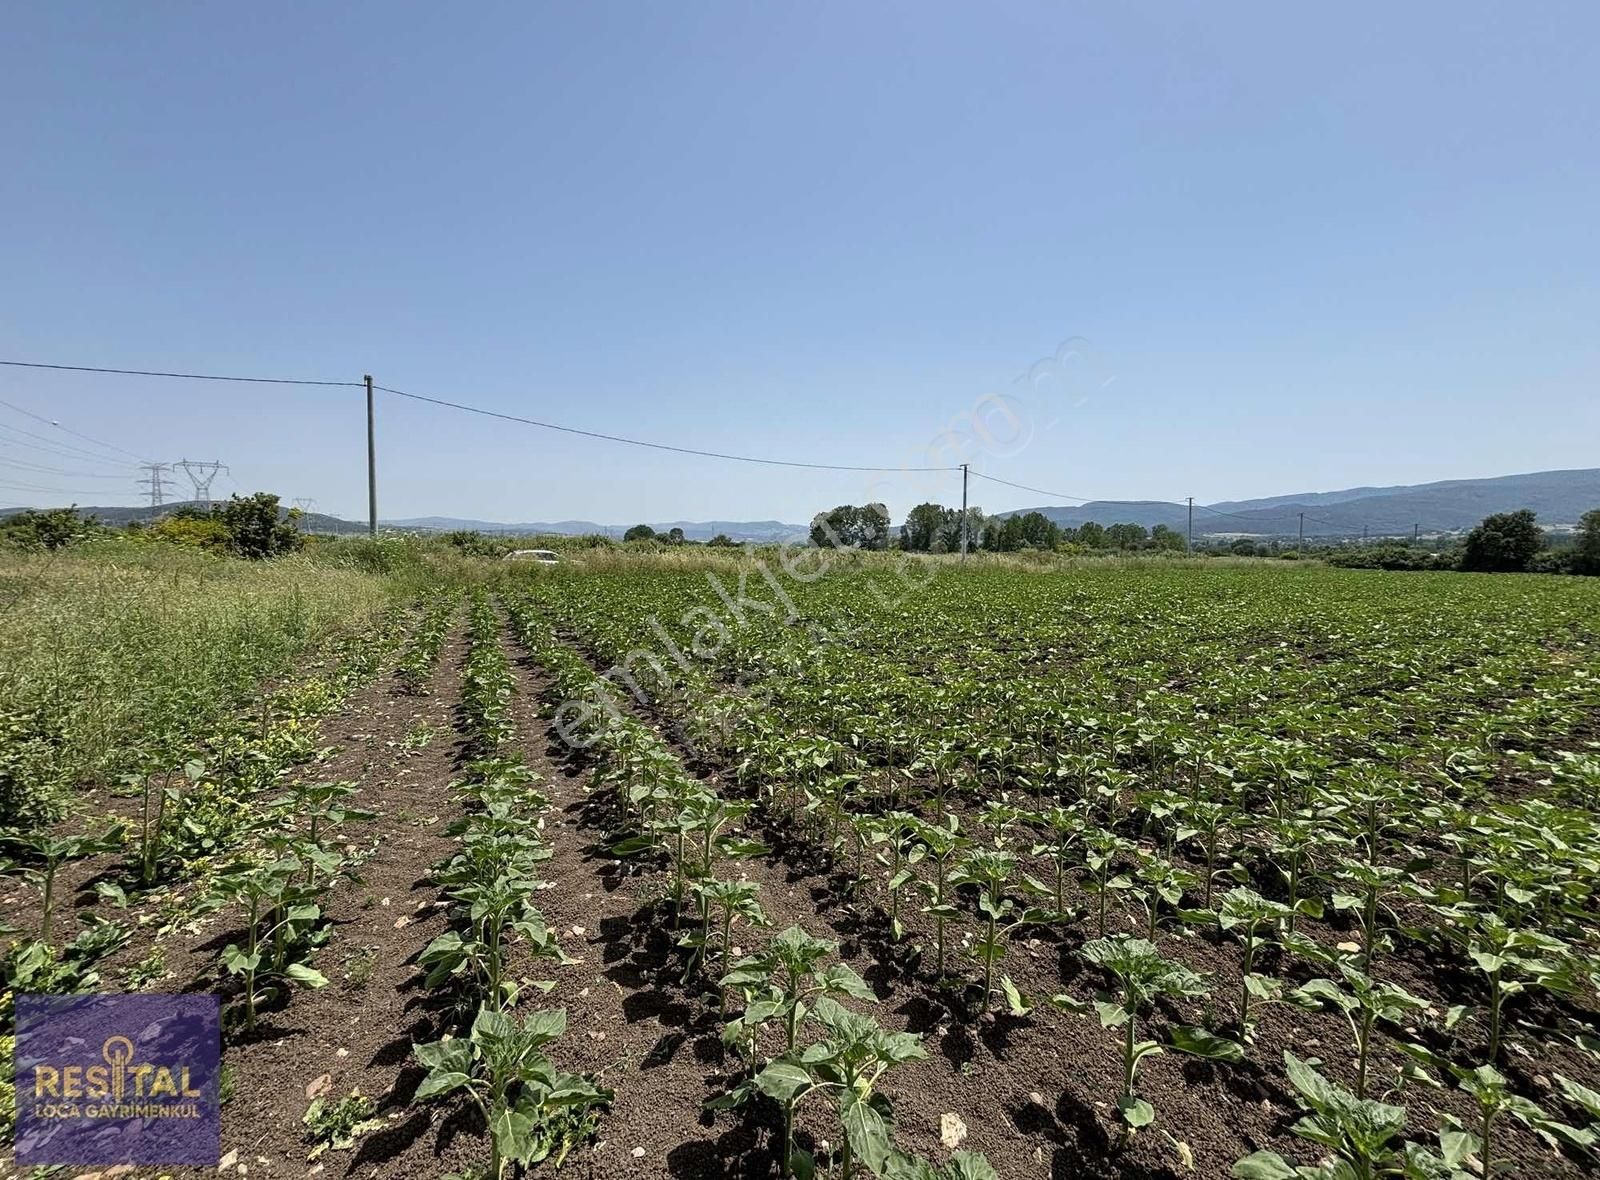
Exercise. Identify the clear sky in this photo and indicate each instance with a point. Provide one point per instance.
(1277, 249)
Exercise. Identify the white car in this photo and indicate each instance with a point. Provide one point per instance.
(542, 556)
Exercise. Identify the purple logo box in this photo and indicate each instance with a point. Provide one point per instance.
(118, 1079)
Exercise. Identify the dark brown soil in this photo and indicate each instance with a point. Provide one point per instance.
(357, 1032)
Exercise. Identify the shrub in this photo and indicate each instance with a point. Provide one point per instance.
(49, 530)
(255, 526)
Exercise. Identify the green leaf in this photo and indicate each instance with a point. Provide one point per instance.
(783, 1080)
(866, 1130)
(512, 1131)
(1200, 1042)
(1263, 1165)
(1015, 1000)
(969, 1165)
(1112, 1015)
(1262, 987)
(307, 976)
(1456, 1146)
(841, 978)
(1579, 1095)
(237, 962)
(1136, 1112)
(450, 1054)
(441, 1082)
(1312, 1085)
(802, 1164)
(633, 845)
(1318, 991)
(1068, 1004)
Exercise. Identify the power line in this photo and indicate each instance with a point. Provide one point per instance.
(61, 450)
(471, 410)
(8, 461)
(30, 487)
(185, 376)
(1065, 496)
(634, 442)
(77, 434)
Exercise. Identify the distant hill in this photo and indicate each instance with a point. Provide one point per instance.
(1559, 498)
(694, 530)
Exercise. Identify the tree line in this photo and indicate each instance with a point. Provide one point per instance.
(933, 528)
(1503, 543)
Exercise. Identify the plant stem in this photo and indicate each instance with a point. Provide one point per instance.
(1127, 1049)
(50, 868)
(1496, 998)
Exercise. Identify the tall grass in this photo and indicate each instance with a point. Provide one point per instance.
(112, 654)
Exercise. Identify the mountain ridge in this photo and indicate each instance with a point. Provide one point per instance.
(1558, 497)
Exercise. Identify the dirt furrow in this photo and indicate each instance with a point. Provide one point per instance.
(357, 1032)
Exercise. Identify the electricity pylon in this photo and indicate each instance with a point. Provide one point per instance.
(201, 473)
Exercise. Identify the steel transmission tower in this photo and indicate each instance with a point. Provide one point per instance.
(153, 481)
(201, 473)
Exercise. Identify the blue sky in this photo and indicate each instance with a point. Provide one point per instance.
(1276, 249)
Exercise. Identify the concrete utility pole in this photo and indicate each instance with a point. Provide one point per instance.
(372, 465)
(1301, 544)
(1363, 534)
(1416, 532)
(1188, 545)
(153, 481)
(963, 512)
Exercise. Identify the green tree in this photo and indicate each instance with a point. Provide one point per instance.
(722, 541)
(1586, 558)
(851, 526)
(257, 528)
(1039, 531)
(1126, 536)
(1503, 543)
(674, 536)
(1164, 538)
(923, 525)
(1091, 535)
(949, 538)
(640, 532)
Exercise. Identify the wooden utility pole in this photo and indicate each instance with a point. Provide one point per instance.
(1300, 545)
(963, 512)
(1188, 544)
(372, 465)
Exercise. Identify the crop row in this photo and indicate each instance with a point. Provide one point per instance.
(784, 995)
(219, 829)
(491, 1052)
(421, 654)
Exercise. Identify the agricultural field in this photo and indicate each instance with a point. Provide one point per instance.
(749, 867)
